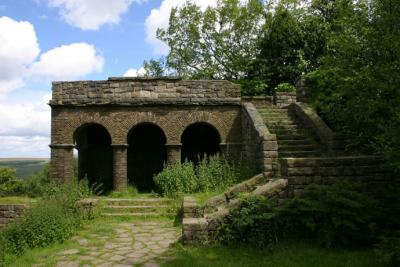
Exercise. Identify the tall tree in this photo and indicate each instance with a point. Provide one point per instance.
(218, 43)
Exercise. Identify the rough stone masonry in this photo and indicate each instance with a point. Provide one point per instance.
(120, 105)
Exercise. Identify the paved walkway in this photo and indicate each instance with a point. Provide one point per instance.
(142, 243)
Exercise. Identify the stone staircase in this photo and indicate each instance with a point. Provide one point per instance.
(293, 139)
(136, 207)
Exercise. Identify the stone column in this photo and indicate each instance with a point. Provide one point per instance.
(173, 153)
(62, 162)
(120, 167)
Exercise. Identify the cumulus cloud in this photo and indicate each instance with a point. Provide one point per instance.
(159, 18)
(92, 14)
(18, 49)
(24, 146)
(25, 119)
(68, 62)
(135, 73)
(25, 128)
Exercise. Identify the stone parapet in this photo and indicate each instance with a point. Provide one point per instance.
(367, 170)
(9, 212)
(283, 99)
(259, 145)
(145, 91)
(317, 127)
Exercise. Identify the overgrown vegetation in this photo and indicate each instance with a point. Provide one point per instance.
(337, 215)
(52, 219)
(211, 174)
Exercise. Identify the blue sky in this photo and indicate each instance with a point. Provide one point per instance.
(46, 40)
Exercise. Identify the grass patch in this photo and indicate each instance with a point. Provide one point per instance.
(284, 255)
(18, 200)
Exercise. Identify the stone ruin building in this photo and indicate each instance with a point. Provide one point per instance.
(126, 129)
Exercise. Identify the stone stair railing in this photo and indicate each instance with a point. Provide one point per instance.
(200, 222)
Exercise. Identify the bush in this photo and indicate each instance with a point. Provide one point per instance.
(177, 178)
(254, 223)
(285, 87)
(253, 87)
(212, 173)
(9, 183)
(388, 249)
(53, 219)
(336, 214)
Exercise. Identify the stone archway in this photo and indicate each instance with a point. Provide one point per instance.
(199, 140)
(95, 155)
(146, 155)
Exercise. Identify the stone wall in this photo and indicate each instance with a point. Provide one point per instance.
(259, 146)
(317, 128)
(9, 212)
(145, 91)
(259, 100)
(368, 170)
(283, 99)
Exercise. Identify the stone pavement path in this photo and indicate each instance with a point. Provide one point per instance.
(139, 243)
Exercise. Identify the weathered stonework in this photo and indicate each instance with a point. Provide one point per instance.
(9, 212)
(283, 99)
(120, 104)
(260, 147)
(367, 170)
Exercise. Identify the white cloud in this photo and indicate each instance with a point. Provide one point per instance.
(135, 73)
(68, 62)
(24, 146)
(18, 49)
(159, 18)
(92, 14)
(25, 119)
(25, 128)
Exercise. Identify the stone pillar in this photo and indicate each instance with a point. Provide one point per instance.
(120, 166)
(173, 153)
(62, 162)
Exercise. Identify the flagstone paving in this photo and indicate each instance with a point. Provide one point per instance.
(142, 243)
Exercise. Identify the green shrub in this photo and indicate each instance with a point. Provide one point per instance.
(9, 184)
(53, 219)
(211, 174)
(175, 179)
(130, 191)
(388, 249)
(254, 223)
(285, 87)
(214, 173)
(336, 214)
(253, 87)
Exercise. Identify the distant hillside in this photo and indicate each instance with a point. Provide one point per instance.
(25, 167)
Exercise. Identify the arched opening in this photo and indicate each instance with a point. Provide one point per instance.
(95, 155)
(198, 141)
(146, 155)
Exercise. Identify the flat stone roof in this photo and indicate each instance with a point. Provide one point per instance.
(145, 91)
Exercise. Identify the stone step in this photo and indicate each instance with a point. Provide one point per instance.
(298, 154)
(138, 208)
(137, 201)
(294, 142)
(288, 132)
(285, 126)
(292, 137)
(308, 147)
(132, 214)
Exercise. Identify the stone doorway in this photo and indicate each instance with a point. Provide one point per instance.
(146, 155)
(198, 141)
(95, 155)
